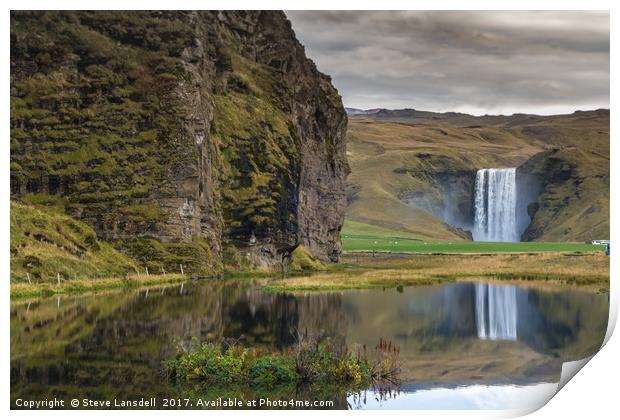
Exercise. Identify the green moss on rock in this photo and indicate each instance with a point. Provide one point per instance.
(302, 260)
(195, 256)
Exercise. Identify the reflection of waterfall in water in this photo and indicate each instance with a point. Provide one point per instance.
(495, 205)
(496, 312)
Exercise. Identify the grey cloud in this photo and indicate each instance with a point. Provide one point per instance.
(479, 62)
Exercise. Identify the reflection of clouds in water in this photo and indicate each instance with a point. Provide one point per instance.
(480, 397)
(509, 396)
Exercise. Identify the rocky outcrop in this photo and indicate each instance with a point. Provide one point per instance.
(447, 194)
(178, 134)
(569, 192)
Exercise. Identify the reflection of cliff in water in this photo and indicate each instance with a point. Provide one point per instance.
(275, 320)
(122, 341)
(113, 345)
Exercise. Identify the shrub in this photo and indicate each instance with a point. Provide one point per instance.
(272, 370)
(208, 363)
(352, 370)
(311, 361)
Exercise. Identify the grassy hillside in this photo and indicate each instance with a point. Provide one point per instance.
(402, 167)
(45, 242)
(357, 229)
(575, 204)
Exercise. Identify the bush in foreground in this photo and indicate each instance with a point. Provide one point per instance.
(310, 361)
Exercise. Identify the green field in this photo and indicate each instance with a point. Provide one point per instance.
(362, 237)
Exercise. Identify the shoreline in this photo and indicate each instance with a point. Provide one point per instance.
(580, 271)
(73, 287)
(589, 271)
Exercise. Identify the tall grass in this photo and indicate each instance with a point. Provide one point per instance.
(363, 272)
(24, 290)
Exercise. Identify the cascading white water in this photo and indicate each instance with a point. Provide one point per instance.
(495, 205)
(496, 312)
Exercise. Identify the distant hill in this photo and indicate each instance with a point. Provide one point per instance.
(413, 171)
(455, 119)
(356, 111)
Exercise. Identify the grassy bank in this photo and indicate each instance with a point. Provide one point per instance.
(45, 242)
(301, 263)
(362, 271)
(355, 279)
(589, 271)
(38, 290)
(362, 237)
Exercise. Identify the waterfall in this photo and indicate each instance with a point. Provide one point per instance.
(496, 312)
(495, 205)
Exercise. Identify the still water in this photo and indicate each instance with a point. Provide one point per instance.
(463, 345)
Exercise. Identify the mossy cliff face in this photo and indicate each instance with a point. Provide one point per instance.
(175, 134)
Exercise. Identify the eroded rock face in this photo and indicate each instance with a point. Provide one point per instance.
(310, 209)
(569, 195)
(176, 134)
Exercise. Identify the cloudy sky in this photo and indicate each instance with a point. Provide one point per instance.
(475, 62)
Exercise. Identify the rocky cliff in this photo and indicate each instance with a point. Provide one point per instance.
(181, 137)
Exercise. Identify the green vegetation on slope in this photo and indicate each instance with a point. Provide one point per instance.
(45, 242)
(302, 261)
(575, 202)
(357, 229)
(109, 125)
(260, 148)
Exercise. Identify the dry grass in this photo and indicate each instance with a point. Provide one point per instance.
(589, 271)
(25, 290)
(559, 265)
(354, 280)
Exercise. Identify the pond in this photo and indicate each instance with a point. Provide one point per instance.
(463, 345)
